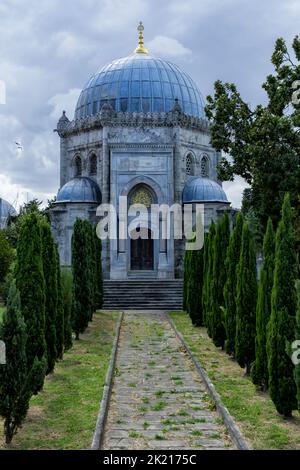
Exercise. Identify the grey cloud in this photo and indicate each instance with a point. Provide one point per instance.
(49, 49)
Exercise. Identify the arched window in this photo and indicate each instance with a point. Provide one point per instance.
(93, 164)
(189, 165)
(205, 166)
(77, 166)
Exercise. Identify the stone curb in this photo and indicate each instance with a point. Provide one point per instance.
(102, 415)
(233, 429)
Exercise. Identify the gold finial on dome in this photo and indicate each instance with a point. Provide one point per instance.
(141, 48)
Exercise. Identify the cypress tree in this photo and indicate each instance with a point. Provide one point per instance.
(259, 370)
(90, 250)
(221, 241)
(246, 301)
(205, 276)
(14, 390)
(195, 286)
(209, 278)
(60, 326)
(99, 274)
(31, 285)
(281, 328)
(94, 267)
(297, 337)
(185, 279)
(82, 285)
(231, 262)
(51, 299)
(67, 296)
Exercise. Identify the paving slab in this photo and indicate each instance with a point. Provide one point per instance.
(156, 390)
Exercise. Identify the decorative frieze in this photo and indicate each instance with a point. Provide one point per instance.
(112, 119)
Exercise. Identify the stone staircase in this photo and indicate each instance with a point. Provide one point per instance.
(143, 294)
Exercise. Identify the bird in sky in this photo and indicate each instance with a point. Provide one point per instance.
(19, 146)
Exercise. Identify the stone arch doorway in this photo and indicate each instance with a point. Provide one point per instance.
(142, 251)
(142, 247)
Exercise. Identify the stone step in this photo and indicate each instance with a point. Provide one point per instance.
(164, 294)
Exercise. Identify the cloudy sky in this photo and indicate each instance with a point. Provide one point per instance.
(50, 48)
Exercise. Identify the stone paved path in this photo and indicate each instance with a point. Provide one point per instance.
(158, 399)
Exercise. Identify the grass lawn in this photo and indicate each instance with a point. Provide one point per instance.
(253, 411)
(64, 414)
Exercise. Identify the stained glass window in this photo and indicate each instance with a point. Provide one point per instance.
(141, 196)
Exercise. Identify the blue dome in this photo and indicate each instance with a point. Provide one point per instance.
(6, 211)
(199, 189)
(140, 83)
(80, 189)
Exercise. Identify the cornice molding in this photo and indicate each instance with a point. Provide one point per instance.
(137, 146)
(112, 119)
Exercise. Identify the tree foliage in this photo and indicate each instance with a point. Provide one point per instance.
(67, 299)
(259, 370)
(83, 270)
(51, 293)
(99, 274)
(246, 301)
(297, 337)
(7, 256)
(60, 320)
(218, 280)
(264, 142)
(281, 328)
(195, 286)
(15, 390)
(231, 262)
(208, 277)
(31, 285)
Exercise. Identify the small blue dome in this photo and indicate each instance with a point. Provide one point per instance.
(6, 211)
(199, 189)
(140, 83)
(80, 189)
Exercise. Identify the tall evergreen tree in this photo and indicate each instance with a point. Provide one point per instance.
(205, 275)
(99, 274)
(231, 263)
(209, 278)
(246, 301)
(67, 296)
(186, 278)
(297, 337)
(82, 277)
(218, 281)
(51, 299)
(60, 322)
(90, 253)
(195, 286)
(31, 285)
(259, 370)
(14, 390)
(281, 328)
